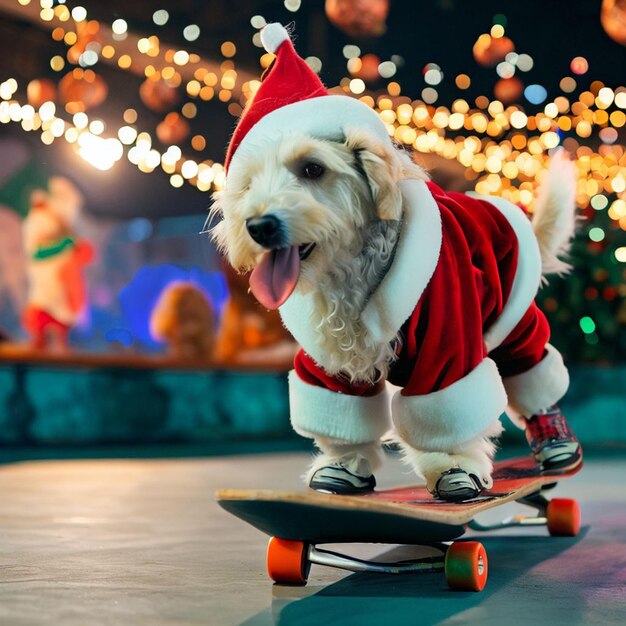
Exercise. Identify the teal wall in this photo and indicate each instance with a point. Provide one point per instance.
(56, 406)
(42, 405)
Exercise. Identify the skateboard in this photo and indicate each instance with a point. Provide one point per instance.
(298, 522)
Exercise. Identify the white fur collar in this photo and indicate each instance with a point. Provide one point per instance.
(397, 295)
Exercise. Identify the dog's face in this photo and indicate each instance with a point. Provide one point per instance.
(298, 200)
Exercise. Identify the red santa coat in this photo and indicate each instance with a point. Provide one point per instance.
(460, 293)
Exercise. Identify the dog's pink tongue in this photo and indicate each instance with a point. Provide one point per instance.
(276, 276)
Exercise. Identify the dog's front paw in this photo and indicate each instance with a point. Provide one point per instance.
(343, 478)
(455, 485)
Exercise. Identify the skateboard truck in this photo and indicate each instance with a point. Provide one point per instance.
(352, 564)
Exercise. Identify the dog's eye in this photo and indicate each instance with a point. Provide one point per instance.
(312, 171)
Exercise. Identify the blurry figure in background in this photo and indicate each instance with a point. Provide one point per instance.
(183, 318)
(57, 293)
(249, 334)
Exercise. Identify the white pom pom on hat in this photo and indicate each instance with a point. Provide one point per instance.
(273, 35)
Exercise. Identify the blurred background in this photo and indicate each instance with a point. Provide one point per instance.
(119, 323)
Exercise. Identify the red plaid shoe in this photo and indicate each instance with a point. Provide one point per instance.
(552, 441)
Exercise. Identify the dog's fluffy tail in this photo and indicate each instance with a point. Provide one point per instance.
(554, 219)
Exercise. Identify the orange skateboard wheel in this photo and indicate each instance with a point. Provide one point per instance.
(465, 566)
(563, 517)
(288, 561)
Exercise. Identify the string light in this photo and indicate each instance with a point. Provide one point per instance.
(191, 32)
(119, 27)
(503, 148)
(160, 17)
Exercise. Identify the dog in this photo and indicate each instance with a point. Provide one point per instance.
(381, 276)
(183, 319)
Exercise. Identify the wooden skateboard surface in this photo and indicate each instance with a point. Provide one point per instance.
(402, 515)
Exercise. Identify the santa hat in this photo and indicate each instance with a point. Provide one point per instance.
(292, 97)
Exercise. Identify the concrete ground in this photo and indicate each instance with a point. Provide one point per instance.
(143, 542)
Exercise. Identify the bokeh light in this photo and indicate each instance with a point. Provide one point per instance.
(160, 17)
(579, 65)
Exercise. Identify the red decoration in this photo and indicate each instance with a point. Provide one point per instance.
(173, 129)
(369, 68)
(358, 18)
(613, 18)
(39, 91)
(508, 90)
(157, 95)
(579, 65)
(82, 90)
(489, 51)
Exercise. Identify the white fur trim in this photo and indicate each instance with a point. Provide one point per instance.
(443, 420)
(316, 411)
(324, 117)
(414, 264)
(273, 35)
(362, 459)
(527, 275)
(397, 295)
(538, 388)
(475, 457)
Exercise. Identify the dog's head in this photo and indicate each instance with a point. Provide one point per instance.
(295, 201)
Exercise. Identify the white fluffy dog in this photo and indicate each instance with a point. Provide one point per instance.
(326, 211)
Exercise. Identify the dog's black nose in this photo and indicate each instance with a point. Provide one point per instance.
(266, 231)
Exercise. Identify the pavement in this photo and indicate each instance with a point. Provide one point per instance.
(143, 542)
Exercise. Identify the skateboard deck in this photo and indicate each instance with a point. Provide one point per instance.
(404, 515)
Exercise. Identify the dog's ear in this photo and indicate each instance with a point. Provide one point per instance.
(383, 166)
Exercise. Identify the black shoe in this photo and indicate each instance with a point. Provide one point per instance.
(336, 478)
(456, 484)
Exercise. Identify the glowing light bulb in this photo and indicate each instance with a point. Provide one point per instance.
(98, 152)
(119, 27)
(79, 14)
(127, 135)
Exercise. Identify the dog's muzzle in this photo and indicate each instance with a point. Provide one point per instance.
(267, 231)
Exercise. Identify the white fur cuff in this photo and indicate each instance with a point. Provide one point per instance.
(445, 419)
(527, 274)
(538, 388)
(316, 411)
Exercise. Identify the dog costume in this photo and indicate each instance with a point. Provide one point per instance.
(456, 301)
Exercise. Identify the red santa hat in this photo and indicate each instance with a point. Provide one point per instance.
(292, 97)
